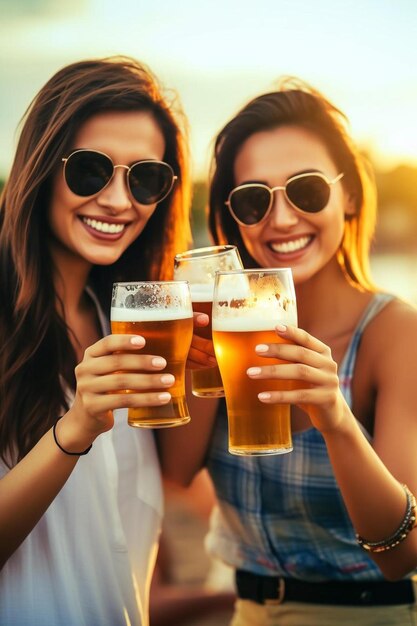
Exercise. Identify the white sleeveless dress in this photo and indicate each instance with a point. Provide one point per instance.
(89, 560)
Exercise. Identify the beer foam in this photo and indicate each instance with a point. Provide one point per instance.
(119, 314)
(202, 292)
(250, 321)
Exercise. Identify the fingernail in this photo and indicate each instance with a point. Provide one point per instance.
(203, 318)
(137, 341)
(281, 328)
(167, 379)
(261, 348)
(164, 396)
(264, 395)
(158, 361)
(253, 371)
(213, 360)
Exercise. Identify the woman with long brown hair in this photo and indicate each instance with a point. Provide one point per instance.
(98, 192)
(323, 535)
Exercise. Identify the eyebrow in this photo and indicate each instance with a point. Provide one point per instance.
(264, 182)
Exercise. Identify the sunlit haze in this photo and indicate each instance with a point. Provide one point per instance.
(218, 54)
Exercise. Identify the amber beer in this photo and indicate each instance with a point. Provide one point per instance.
(254, 427)
(247, 307)
(199, 267)
(205, 382)
(168, 333)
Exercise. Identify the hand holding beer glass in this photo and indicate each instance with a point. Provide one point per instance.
(247, 306)
(162, 313)
(199, 267)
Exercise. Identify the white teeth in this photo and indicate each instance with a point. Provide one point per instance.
(290, 246)
(104, 227)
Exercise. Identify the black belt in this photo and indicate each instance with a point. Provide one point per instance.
(275, 590)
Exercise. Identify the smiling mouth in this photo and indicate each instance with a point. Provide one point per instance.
(286, 247)
(104, 227)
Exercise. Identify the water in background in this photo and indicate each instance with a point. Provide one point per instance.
(396, 273)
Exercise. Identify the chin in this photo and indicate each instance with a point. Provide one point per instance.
(103, 259)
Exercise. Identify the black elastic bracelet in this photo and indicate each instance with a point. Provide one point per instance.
(63, 449)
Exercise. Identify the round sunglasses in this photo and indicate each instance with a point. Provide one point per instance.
(251, 203)
(87, 172)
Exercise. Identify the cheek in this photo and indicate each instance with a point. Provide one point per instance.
(339, 226)
(143, 215)
(57, 201)
(52, 216)
(250, 237)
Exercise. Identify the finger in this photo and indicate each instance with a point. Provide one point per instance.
(132, 381)
(301, 337)
(200, 360)
(110, 402)
(294, 353)
(291, 371)
(121, 361)
(113, 343)
(203, 345)
(298, 396)
(201, 353)
(200, 319)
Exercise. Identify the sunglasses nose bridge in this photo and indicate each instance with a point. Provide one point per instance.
(281, 212)
(275, 196)
(126, 167)
(116, 193)
(123, 167)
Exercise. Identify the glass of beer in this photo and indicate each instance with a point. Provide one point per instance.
(162, 313)
(247, 306)
(199, 267)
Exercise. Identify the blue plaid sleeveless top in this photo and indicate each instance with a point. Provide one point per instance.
(284, 515)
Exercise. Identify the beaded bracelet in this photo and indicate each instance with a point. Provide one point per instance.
(406, 526)
(86, 451)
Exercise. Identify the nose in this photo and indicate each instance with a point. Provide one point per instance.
(116, 196)
(282, 214)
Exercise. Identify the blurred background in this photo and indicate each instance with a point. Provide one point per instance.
(217, 55)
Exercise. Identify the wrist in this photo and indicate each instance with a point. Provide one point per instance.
(342, 425)
(69, 438)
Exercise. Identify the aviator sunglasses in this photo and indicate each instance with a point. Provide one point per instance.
(251, 203)
(87, 172)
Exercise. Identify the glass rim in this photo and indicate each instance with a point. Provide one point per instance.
(202, 253)
(267, 270)
(150, 282)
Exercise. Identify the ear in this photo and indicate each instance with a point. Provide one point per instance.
(350, 205)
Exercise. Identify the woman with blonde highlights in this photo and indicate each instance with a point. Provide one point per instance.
(98, 192)
(322, 535)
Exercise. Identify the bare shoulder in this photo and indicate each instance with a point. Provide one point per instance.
(396, 317)
(389, 361)
(393, 332)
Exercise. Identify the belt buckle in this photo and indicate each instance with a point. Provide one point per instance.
(281, 594)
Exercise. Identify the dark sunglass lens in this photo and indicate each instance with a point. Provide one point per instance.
(150, 182)
(87, 172)
(310, 193)
(249, 204)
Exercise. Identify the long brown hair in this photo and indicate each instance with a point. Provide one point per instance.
(36, 357)
(296, 103)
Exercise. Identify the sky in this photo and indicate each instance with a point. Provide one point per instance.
(217, 54)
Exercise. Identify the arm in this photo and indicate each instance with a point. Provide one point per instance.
(182, 451)
(174, 600)
(28, 489)
(369, 477)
